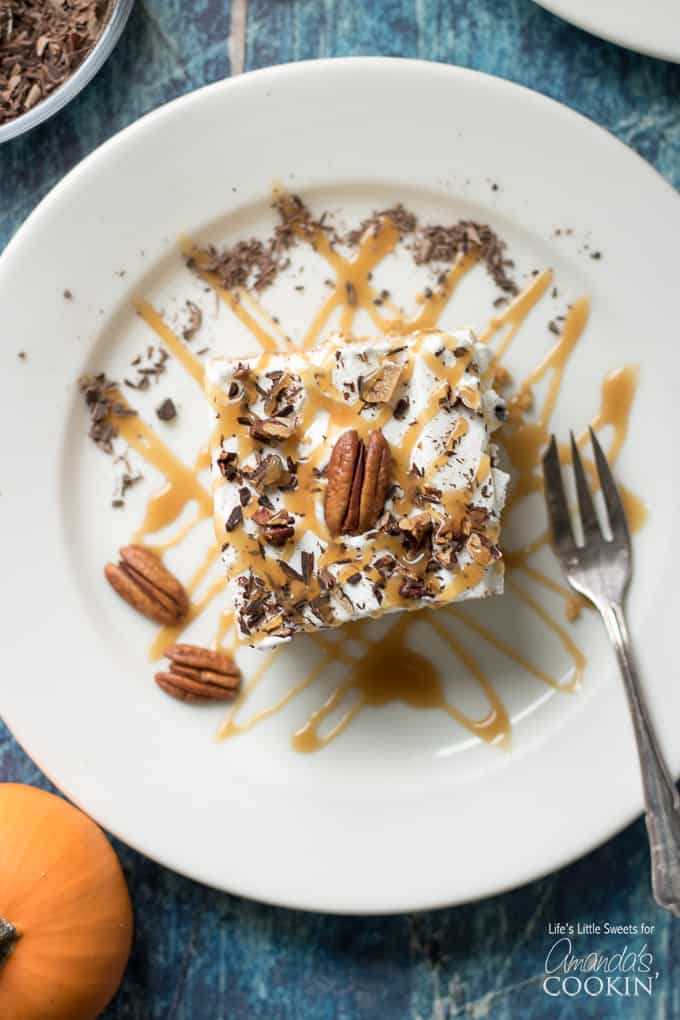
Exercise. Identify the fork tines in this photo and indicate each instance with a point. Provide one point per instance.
(558, 509)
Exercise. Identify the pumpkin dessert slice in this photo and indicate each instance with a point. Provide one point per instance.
(355, 479)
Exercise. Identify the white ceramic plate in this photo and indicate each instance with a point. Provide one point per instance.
(652, 27)
(404, 810)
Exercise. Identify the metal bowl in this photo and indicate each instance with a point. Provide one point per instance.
(116, 16)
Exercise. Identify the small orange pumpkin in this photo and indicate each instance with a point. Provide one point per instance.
(65, 913)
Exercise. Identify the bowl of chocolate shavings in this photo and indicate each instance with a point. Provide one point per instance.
(49, 50)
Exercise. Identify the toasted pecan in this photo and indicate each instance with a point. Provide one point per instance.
(358, 478)
(141, 579)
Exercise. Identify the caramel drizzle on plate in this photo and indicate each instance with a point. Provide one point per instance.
(390, 669)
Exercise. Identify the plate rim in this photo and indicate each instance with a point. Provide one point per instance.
(275, 70)
(623, 39)
(446, 71)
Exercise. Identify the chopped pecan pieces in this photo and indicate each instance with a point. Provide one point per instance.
(281, 392)
(389, 524)
(430, 494)
(413, 588)
(269, 470)
(199, 674)
(479, 549)
(145, 584)
(272, 430)
(358, 478)
(446, 557)
(450, 530)
(417, 526)
(277, 528)
(275, 623)
(476, 517)
(380, 386)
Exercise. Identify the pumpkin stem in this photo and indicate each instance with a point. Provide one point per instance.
(9, 936)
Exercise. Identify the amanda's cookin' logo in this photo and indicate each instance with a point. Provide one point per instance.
(629, 973)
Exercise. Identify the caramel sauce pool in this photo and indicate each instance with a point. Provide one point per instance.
(389, 670)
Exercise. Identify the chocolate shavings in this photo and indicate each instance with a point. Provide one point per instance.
(41, 45)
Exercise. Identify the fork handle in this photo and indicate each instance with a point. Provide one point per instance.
(662, 803)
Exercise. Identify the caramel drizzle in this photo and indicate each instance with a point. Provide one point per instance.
(390, 670)
(322, 398)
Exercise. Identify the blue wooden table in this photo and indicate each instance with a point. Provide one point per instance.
(201, 955)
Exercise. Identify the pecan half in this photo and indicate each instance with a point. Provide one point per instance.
(198, 674)
(358, 479)
(375, 482)
(145, 584)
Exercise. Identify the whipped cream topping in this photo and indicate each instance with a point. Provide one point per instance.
(437, 422)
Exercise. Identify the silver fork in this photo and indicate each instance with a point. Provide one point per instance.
(600, 568)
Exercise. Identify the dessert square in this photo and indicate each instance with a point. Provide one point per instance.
(355, 479)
